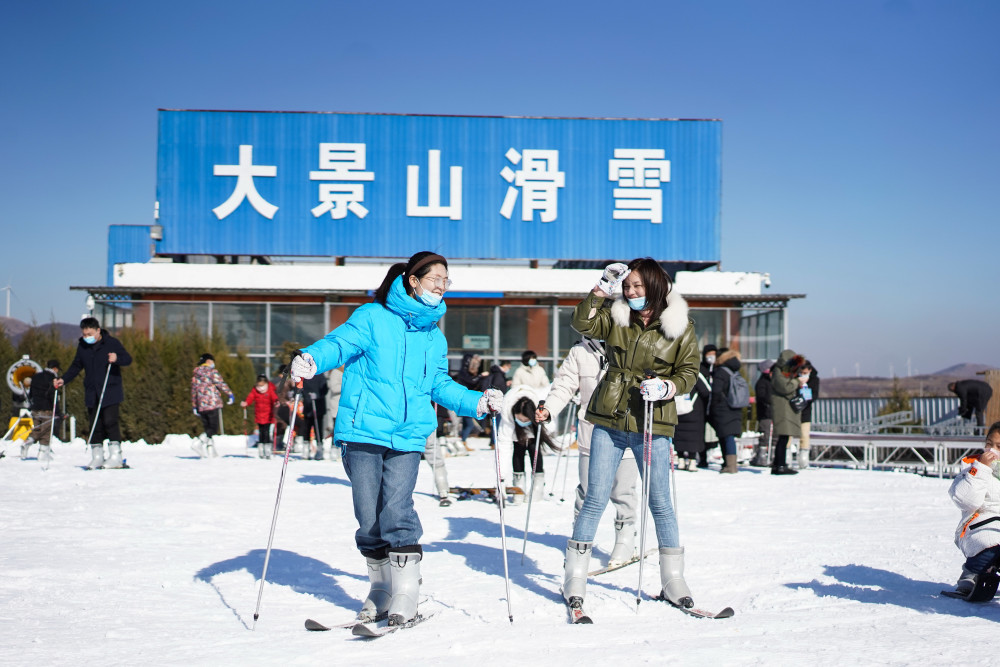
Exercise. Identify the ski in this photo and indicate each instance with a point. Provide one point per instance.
(612, 568)
(576, 613)
(698, 613)
(482, 493)
(316, 626)
(375, 630)
(984, 590)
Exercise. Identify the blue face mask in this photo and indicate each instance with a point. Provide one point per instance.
(532, 362)
(429, 299)
(521, 423)
(638, 303)
(89, 340)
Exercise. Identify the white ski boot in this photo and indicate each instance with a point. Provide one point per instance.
(210, 448)
(114, 456)
(577, 565)
(45, 456)
(624, 549)
(96, 457)
(803, 458)
(404, 569)
(538, 487)
(24, 447)
(380, 592)
(198, 446)
(675, 589)
(518, 498)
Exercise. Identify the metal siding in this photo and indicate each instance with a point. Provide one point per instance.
(192, 142)
(852, 410)
(127, 243)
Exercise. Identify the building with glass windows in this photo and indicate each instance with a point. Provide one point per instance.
(271, 227)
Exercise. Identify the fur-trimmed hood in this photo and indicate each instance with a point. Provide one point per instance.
(673, 319)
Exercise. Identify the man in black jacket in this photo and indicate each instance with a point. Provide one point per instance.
(973, 396)
(100, 356)
(41, 396)
(762, 399)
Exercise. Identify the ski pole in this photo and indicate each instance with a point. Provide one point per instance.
(100, 402)
(647, 458)
(52, 426)
(277, 503)
(246, 438)
(562, 497)
(562, 452)
(770, 434)
(500, 502)
(534, 471)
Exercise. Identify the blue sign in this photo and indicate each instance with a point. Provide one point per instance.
(373, 185)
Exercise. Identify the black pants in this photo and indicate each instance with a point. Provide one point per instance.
(779, 451)
(520, 449)
(264, 434)
(210, 421)
(107, 424)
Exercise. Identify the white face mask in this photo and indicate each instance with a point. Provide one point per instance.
(532, 362)
(430, 299)
(262, 390)
(710, 359)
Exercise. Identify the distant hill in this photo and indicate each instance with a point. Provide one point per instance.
(15, 329)
(933, 384)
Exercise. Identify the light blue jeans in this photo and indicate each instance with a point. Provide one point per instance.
(382, 483)
(607, 446)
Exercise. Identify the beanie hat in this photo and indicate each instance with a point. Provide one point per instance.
(205, 357)
(765, 366)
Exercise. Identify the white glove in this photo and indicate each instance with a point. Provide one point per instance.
(231, 399)
(655, 389)
(303, 367)
(491, 401)
(195, 412)
(613, 276)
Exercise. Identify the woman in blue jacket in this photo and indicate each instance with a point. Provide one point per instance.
(395, 365)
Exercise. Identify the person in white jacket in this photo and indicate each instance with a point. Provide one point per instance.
(582, 371)
(530, 373)
(976, 491)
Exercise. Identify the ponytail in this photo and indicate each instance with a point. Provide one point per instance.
(395, 271)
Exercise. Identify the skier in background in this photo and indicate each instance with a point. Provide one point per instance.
(41, 395)
(264, 399)
(207, 387)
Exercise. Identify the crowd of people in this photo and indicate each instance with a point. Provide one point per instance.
(644, 397)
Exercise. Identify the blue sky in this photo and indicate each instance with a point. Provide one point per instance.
(860, 139)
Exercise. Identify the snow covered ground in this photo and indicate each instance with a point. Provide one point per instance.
(159, 565)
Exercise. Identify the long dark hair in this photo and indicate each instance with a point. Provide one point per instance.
(526, 406)
(419, 266)
(657, 283)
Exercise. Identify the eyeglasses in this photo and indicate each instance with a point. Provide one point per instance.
(439, 282)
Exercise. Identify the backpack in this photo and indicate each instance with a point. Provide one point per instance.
(685, 402)
(738, 395)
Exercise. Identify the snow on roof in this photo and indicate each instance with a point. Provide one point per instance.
(363, 278)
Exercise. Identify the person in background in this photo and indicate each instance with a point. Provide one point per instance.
(973, 397)
(207, 388)
(582, 370)
(264, 399)
(496, 378)
(765, 426)
(334, 382)
(812, 384)
(689, 434)
(41, 395)
(787, 375)
(468, 377)
(101, 357)
(524, 430)
(530, 372)
(314, 392)
(976, 492)
(708, 355)
(727, 421)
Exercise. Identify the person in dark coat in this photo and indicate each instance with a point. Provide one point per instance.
(762, 399)
(41, 396)
(727, 421)
(973, 396)
(101, 357)
(468, 376)
(689, 434)
(708, 355)
(314, 399)
(497, 378)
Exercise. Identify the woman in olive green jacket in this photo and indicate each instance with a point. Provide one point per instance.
(648, 329)
(785, 383)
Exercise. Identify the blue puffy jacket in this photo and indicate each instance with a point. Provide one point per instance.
(395, 363)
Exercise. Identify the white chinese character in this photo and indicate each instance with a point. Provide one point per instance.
(434, 209)
(245, 172)
(539, 179)
(341, 162)
(639, 172)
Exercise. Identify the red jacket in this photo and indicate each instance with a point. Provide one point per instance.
(263, 404)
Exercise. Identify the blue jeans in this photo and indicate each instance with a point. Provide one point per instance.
(382, 483)
(982, 560)
(607, 446)
(468, 426)
(729, 444)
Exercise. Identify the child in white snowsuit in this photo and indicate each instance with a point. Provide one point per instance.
(976, 491)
